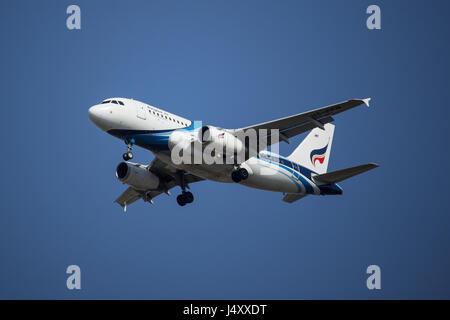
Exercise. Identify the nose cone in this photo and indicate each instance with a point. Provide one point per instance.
(94, 113)
(99, 115)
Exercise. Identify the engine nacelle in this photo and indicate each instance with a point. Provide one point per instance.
(181, 139)
(137, 176)
(222, 139)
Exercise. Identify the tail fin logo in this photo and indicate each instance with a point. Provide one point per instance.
(318, 155)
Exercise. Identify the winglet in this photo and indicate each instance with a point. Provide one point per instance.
(366, 101)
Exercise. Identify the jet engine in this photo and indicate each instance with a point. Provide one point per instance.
(222, 139)
(137, 176)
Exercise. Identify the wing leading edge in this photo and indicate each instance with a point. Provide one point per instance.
(302, 122)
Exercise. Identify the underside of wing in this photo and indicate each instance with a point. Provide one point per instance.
(169, 177)
(128, 197)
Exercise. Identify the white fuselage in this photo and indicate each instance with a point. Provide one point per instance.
(151, 127)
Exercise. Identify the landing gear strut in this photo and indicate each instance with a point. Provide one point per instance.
(185, 196)
(128, 155)
(239, 174)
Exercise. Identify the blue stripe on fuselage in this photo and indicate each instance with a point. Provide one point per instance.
(306, 184)
(302, 172)
(149, 139)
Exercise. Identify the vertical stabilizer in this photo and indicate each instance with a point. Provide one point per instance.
(314, 151)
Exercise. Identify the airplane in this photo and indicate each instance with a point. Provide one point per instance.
(302, 173)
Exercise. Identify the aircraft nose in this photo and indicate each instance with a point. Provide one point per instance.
(94, 113)
(99, 116)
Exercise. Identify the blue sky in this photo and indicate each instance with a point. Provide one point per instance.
(230, 64)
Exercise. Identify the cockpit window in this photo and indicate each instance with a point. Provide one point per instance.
(113, 101)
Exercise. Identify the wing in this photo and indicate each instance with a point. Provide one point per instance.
(128, 197)
(302, 122)
(169, 177)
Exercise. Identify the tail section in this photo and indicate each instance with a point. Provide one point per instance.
(314, 151)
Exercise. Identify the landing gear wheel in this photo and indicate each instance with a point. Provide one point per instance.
(188, 197)
(180, 200)
(185, 196)
(235, 176)
(127, 156)
(243, 173)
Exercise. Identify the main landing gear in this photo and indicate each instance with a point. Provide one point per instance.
(185, 197)
(128, 155)
(239, 174)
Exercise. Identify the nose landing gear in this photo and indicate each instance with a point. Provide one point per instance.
(128, 155)
(239, 174)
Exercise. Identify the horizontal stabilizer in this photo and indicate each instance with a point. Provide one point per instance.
(291, 197)
(339, 175)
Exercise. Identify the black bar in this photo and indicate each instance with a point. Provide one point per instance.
(223, 309)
